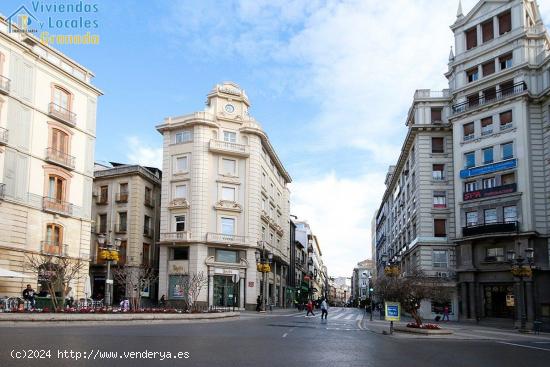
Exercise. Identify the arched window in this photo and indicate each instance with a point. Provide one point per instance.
(53, 244)
(60, 141)
(56, 188)
(61, 99)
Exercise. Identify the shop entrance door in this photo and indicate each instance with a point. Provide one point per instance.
(226, 292)
(495, 301)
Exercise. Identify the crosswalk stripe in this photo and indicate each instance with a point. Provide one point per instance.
(337, 316)
(348, 317)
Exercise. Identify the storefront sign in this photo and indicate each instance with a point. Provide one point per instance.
(494, 191)
(488, 168)
(393, 311)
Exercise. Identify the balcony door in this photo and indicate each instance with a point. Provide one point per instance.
(56, 189)
(54, 239)
(60, 141)
(61, 99)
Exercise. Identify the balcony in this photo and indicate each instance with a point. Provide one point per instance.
(430, 94)
(3, 136)
(4, 85)
(121, 228)
(182, 236)
(102, 200)
(56, 206)
(62, 114)
(490, 228)
(53, 248)
(488, 193)
(121, 197)
(149, 202)
(220, 146)
(225, 238)
(60, 158)
(474, 102)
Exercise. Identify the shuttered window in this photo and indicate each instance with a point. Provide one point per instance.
(505, 22)
(468, 130)
(471, 38)
(439, 228)
(505, 118)
(488, 68)
(436, 115)
(487, 30)
(437, 145)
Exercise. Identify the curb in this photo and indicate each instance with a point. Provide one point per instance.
(405, 329)
(10, 318)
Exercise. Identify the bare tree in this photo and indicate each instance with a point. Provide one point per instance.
(57, 273)
(410, 290)
(135, 280)
(190, 286)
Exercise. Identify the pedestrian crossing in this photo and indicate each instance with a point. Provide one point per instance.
(340, 314)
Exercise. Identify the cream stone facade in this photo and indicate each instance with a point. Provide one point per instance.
(126, 205)
(47, 136)
(224, 189)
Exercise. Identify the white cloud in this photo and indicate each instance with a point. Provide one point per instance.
(140, 153)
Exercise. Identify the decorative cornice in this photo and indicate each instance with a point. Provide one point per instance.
(228, 206)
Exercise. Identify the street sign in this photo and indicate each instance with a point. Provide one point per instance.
(393, 311)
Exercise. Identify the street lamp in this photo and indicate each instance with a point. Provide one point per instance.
(370, 296)
(521, 271)
(263, 264)
(109, 252)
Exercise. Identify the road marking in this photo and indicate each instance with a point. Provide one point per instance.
(349, 317)
(541, 342)
(338, 316)
(284, 335)
(525, 346)
(359, 317)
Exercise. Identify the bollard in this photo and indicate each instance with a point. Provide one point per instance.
(391, 327)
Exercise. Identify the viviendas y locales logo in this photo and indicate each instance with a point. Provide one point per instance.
(57, 23)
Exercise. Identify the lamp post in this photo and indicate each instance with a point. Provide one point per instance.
(370, 296)
(109, 252)
(263, 263)
(522, 267)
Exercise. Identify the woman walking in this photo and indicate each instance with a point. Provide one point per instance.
(309, 308)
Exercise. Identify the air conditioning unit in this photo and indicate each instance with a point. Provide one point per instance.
(442, 274)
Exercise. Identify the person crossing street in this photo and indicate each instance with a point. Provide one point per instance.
(324, 309)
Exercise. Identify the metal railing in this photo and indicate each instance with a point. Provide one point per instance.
(226, 146)
(488, 228)
(53, 248)
(4, 84)
(474, 102)
(122, 197)
(62, 114)
(3, 136)
(102, 200)
(57, 206)
(225, 238)
(59, 157)
(175, 236)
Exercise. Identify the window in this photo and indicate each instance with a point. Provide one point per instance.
(54, 235)
(183, 137)
(495, 254)
(510, 214)
(505, 22)
(489, 94)
(264, 179)
(470, 186)
(122, 252)
(180, 223)
(181, 164)
(507, 151)
(436, 115)
(123, 191)
(227, 256)
(488, 68)
(439, 258)
(505, 61)
(60, 142)
(490, 216)
(146, 249)
(147, 225)
(437, 145)
(473, 99)
(147, 196)
(486, 126)
(487, 30)
(440, 199)
(229, 167)
(469, 159)
(103, 194)
(471, 38)
(488, 183)
(230, 136)
(505, 120)
(180, 192)
(61, 100)
(122, 221)
(228, 193)
(508, 179)
(487, 155)
(264, 204)
(180, 253)
(472, 74)
(103, 223)
(228, 225)
(438, 172)
(56, 189)
(471, 219)
(468, 131)
(439, 228)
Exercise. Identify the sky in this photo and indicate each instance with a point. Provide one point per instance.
(330, 82)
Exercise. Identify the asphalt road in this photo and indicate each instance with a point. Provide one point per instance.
(257, 340)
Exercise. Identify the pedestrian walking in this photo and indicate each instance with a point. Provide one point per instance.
(162, 302)
(259, 304)
(445, 313)
(309, 308)
(324, 309)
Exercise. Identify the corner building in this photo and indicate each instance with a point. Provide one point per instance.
(224, 189)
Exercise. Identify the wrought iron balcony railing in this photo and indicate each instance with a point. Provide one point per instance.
(62, 114)
(59, 157)
(474, 102)
(53, 248)
(57, 206)
(490, 228)
(122, 197)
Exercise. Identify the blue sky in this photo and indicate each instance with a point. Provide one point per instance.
(330, 81)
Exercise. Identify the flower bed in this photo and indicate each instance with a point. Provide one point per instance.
(110, 310)
(424, 326)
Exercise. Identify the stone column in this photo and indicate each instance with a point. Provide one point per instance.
(529, 301)
(241, 293)
(273, 299)
(210, 288)
(472, 300)
(464, 302)
(281, 298)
